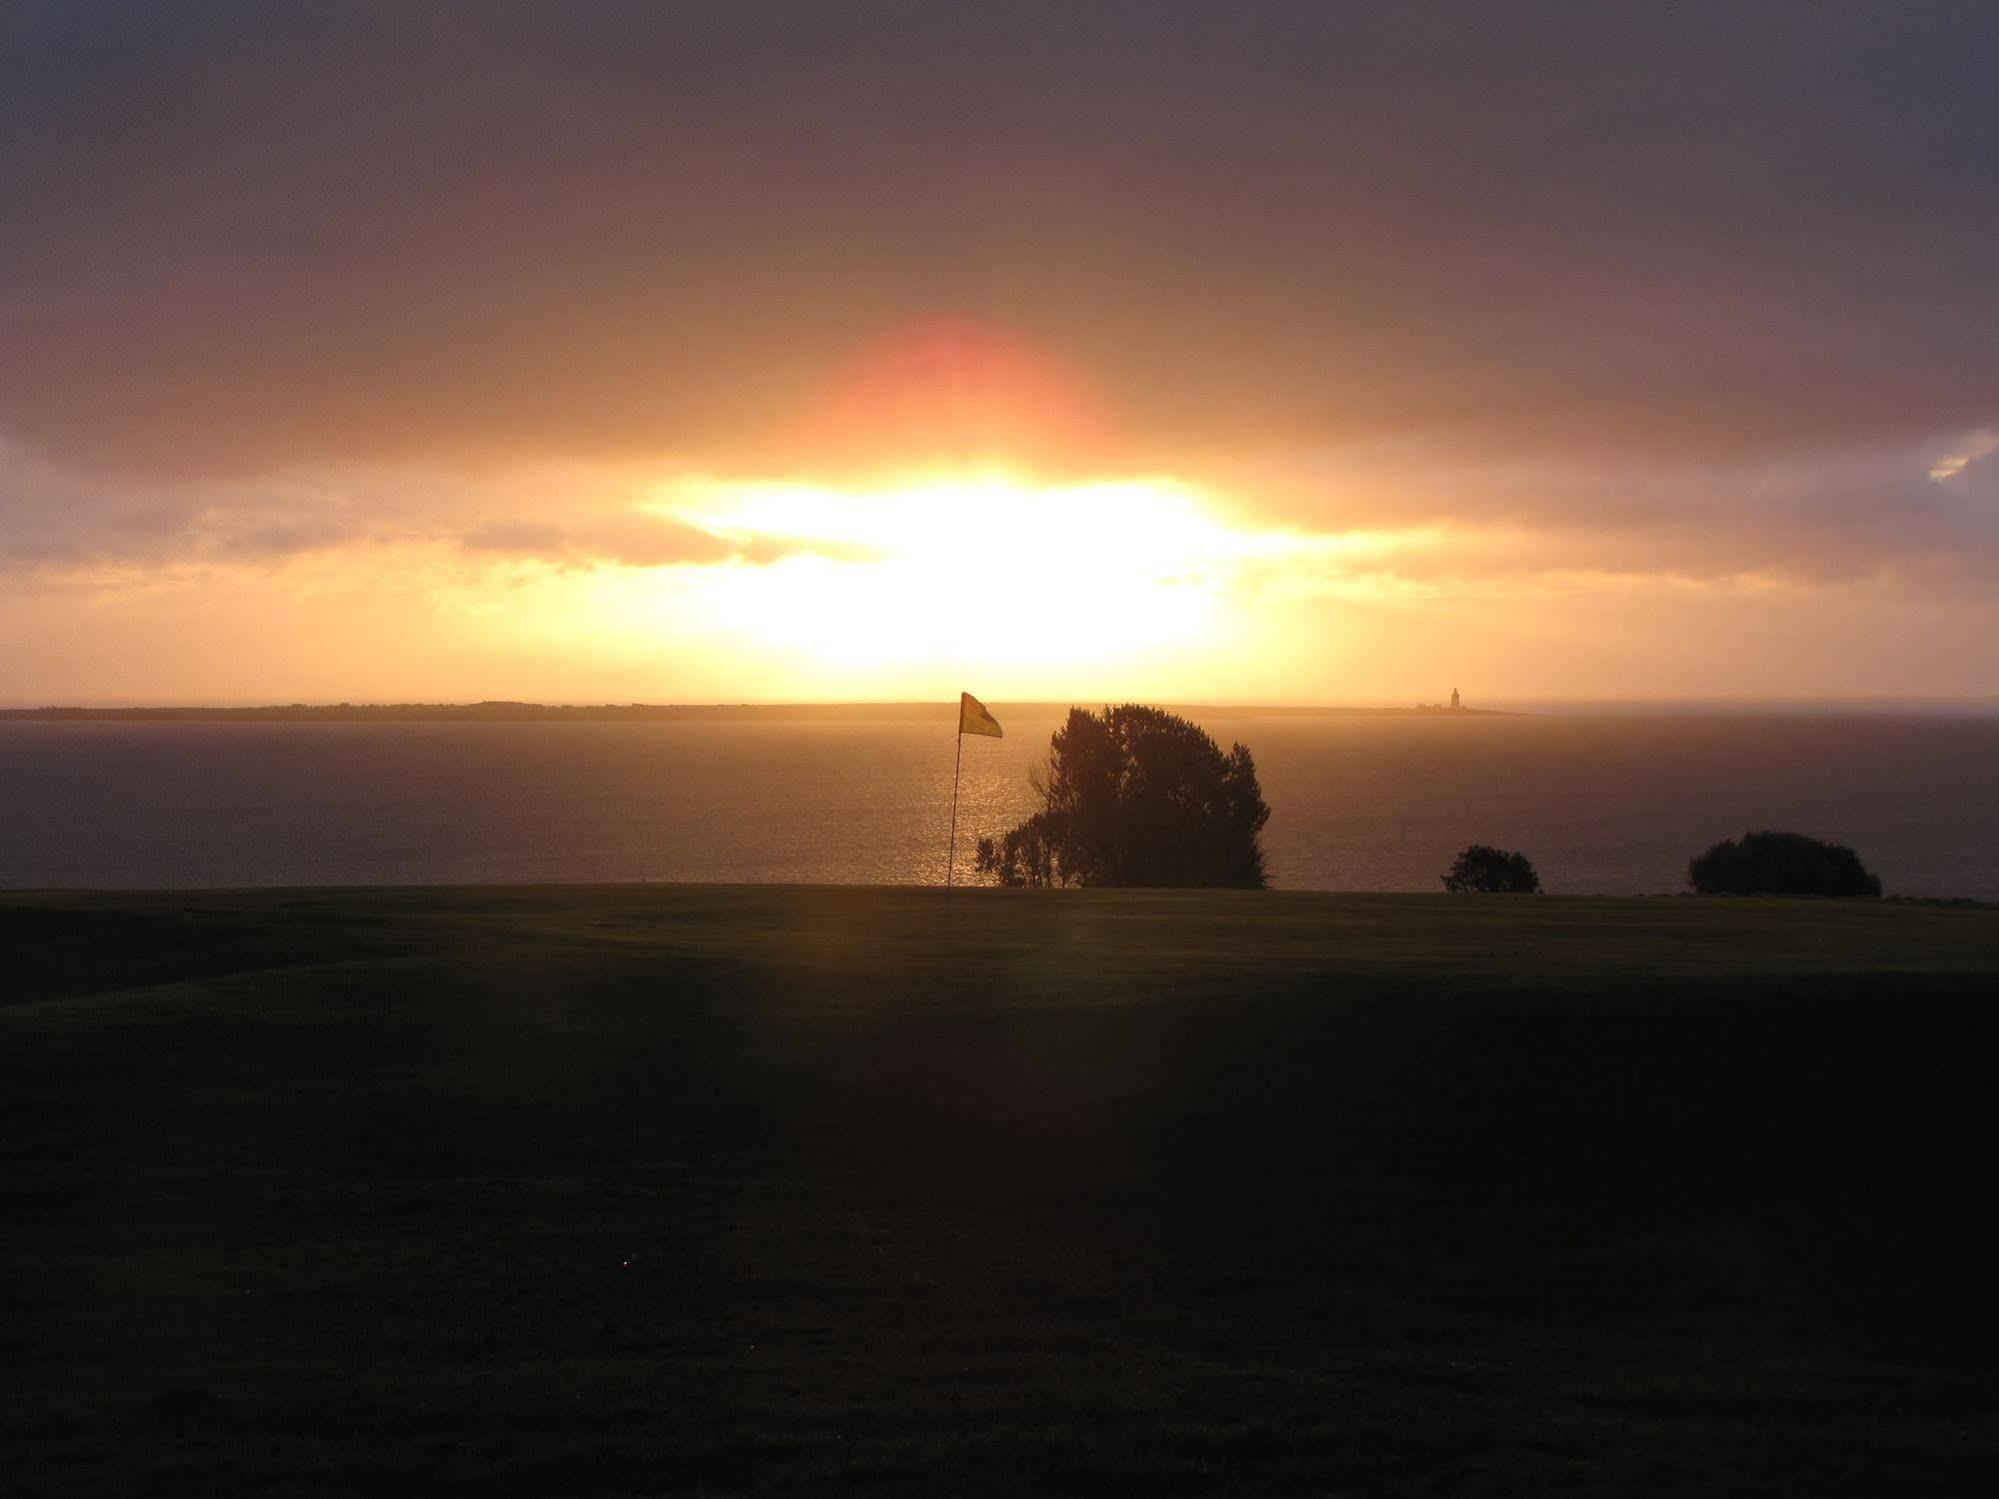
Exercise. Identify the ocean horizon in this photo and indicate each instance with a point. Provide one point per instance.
(83, 708)
(1604, 801)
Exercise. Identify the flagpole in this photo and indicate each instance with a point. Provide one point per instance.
(957, 759)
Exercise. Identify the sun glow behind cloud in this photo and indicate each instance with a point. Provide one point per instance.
(987, 570)
(794, 590)
(615, 583)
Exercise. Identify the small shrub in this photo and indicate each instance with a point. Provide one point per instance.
(1482, 870)
(1781, 864)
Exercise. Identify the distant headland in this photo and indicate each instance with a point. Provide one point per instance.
(515, 712)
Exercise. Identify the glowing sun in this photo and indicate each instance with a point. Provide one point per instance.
(976, 569)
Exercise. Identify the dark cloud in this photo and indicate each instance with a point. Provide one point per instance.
(639, 540)
(1645, 264)
(52, 518)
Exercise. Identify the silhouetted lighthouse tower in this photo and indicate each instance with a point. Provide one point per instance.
(1454, 700)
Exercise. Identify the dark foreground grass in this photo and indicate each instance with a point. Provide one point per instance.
(659, 1190)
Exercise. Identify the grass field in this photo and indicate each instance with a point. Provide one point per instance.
(640, 1190)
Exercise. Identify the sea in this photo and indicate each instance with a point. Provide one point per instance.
(1602, 803)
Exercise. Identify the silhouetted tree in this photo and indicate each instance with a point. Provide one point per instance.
(1136, 796)
(1781, 864)
(1483, 870)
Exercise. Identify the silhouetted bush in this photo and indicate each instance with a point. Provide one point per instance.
(1136, 796)
(1482, 870)
(1781, 864)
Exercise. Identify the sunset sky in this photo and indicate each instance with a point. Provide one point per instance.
(1202, 352)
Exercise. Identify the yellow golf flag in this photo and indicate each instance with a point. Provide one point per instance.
(973, 718)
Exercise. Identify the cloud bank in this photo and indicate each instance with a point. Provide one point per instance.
(1692, 293)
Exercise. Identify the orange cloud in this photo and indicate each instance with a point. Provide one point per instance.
(953, 391)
